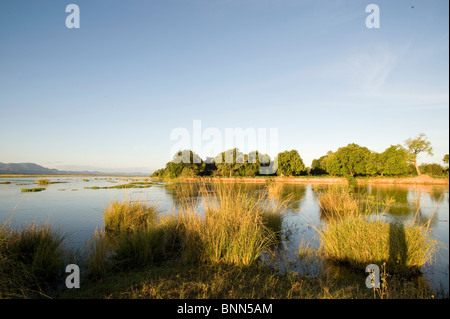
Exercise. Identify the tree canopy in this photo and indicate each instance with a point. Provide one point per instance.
(290, 163)
(418, 145)
(350, 160)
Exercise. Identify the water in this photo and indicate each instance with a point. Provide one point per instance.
(78, 211)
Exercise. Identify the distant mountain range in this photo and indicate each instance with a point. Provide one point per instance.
(35, 169)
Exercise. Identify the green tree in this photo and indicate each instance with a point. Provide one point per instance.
(432, 169)
(319, 166)
(290, 163)
(445, 159)
(350, 160)
(374, 164)
(184, 159)
(158, 173)
(229, 162)
(418, 145)
(394, 160)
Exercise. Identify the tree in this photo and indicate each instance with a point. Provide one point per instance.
(394, 160)
(229, 161)
(418, 145)
(319, 166)
(184, 159)
(350, 160)
(375, 164)
(445, 159)
(432, 169)
(290, 163)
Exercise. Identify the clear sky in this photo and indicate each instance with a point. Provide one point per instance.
(108, 95)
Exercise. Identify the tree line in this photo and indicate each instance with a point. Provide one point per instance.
(348, 161)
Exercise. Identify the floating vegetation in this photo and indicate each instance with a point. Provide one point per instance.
(32, 190)
(129, 185)
(45, 181)
(5, 182)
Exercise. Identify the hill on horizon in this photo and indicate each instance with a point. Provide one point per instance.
(35, 169)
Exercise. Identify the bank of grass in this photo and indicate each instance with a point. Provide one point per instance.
(128, 216)
(359, 241)
(233, 228)
(236, 228)
(356, 234)
(31, 260)
(224, 281)
(194, 253)
(340, 202)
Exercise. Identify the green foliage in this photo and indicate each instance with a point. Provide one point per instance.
(290, 163)
(393, 161)
(158, 173)
(374, 164)
(181, 160)
(230, 162)
(350, 160)
(319, 166)
(432, 169)
(418, 145)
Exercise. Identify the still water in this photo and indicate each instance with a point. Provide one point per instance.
(69, 204)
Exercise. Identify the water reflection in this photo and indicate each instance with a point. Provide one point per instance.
(80, 212)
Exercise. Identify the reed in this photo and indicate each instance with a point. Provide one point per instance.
(44, 181)
(339, 202)
(233, 230)
(128, 216)
(32, 190)
(31, 259)
(360, 241)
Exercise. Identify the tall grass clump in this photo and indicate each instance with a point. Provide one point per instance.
(234, 228)
(134, 235)
(274, 190)
(360, 241)
(44, 181)
(32, 259)
(339, 202)
(128, 216)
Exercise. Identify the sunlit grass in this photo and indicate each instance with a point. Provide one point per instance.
(32, 190)
(361, 241)
(44, 181)
(31, 259)
(128, 216)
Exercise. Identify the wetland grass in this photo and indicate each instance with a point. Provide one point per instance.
(31, 260)
(32, 190)
(357, 234)
(44, 181)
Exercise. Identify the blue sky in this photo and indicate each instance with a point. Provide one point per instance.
(108, 95)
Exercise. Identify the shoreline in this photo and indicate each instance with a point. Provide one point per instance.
(418, 180)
